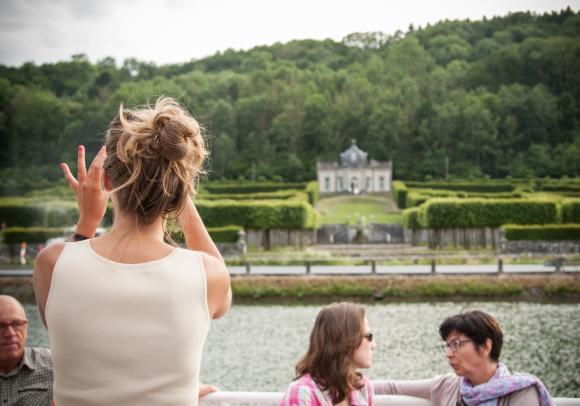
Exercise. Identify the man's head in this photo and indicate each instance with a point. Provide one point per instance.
(13, 333)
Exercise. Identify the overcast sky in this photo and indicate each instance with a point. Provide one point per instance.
(169, 31)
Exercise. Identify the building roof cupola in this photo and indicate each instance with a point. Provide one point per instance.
(353, 156)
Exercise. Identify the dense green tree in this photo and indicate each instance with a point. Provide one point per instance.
(497, 97)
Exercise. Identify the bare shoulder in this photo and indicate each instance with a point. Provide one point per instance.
(525, 397)
(43, 269)
(219, 293)
(214, 268)
(47, 257)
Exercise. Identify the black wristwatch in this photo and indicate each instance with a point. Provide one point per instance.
(79, 237)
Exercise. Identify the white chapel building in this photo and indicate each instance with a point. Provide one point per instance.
(354, 173)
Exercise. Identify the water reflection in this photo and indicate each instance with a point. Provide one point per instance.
(256, 347)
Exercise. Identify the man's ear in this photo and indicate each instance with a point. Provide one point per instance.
(107, 184)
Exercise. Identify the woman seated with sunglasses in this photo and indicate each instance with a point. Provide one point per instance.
(340, 343)
(472, 346)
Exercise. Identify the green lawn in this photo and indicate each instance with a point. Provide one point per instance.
(374, 209)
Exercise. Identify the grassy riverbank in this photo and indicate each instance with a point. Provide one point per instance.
(295, 289)
(394, 288)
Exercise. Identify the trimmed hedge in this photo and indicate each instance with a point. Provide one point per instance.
(547, 232)
(259, 215)
(479, 186)
(562, 187)
(218, 234)
(474, 213)
(250, 187)
(411, 218)
(416, 197)
(32, 235)
(571, 211)
(278, 195)
(312, 192)
(31, 212)
(399, 190)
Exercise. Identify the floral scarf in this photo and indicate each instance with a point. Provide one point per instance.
(501, 384)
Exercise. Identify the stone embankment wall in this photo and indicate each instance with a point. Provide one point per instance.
(486, 238)
(367, 234)
(280, 238)
(546, 247)
(455, 237)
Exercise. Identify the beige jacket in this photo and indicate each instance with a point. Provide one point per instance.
(443, 390)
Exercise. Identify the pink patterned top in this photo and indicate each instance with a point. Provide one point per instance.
(305, 392)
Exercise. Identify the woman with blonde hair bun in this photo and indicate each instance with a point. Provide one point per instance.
(127, 313)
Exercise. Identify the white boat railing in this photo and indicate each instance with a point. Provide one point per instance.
(273, 398)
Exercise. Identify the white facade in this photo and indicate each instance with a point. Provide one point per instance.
(354, 174)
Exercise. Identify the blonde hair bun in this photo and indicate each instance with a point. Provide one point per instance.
(154, 158)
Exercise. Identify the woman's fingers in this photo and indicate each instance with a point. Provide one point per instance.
(69, 176)
(96, 169)
(82, 169)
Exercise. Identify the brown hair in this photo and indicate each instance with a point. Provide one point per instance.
(478, 326)
(337, 333)
(154, 159)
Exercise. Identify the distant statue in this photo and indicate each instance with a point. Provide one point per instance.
(22, 254)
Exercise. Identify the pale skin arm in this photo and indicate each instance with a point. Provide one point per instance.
(92, 201)
(206, 389)
(219, 292)
(419, 388)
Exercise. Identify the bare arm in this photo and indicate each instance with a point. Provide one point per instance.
(420, 388)
(219, 291)
(43, 269)
(196, 236)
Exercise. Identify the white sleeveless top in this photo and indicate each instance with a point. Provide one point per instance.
(126, 334)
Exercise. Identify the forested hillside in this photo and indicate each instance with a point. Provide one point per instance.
(496, 97)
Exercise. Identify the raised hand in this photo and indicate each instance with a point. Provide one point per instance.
(91, 195)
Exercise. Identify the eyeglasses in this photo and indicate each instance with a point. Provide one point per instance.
(368, 336)
(17, 325)
(453, 345)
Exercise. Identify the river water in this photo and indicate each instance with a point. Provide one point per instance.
(255, 347)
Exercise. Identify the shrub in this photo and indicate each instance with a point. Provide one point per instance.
(476, 186)
(259, 215)
(411, 218)
(312, 192)
(250, 187)
(400, 194)
(278, 195)
(218, 234)
(32, 235)
(547, 232)
(20, 212)
(571, 211)
(31, 212)
(415, 199)
(474, 213)
(560, 187)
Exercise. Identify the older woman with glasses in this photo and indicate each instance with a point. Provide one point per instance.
(340, 343)
(473, 342)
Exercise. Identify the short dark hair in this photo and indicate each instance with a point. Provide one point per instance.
(478, 326)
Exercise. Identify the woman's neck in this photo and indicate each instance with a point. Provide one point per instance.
(483, 374)
(125, 225)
